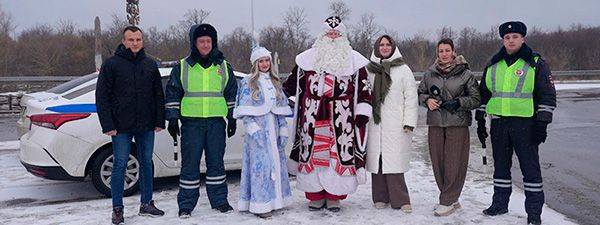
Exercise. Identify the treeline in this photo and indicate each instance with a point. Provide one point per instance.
(65, 50)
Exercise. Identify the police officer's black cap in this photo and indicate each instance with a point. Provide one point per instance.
(513, 27)
(206, 30)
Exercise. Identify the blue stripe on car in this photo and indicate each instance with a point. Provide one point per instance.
(73, 108)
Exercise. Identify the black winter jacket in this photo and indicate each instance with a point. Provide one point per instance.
(129, 94)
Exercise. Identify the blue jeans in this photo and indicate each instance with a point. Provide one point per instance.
(121, 144)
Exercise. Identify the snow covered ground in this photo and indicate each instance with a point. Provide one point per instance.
(573, 85)
(7, 145)
(357, 209)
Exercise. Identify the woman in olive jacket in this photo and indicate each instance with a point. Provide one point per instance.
(449, 91)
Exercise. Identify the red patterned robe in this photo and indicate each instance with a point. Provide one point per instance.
(329, 147)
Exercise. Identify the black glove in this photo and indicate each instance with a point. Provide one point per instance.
(361, 120)
(231, 127)
(451, 105)
(173, 127)
(479, 115)
(539, 132)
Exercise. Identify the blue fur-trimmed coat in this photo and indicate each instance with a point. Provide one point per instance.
(264, 184)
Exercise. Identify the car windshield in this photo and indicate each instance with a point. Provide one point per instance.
(62, 88)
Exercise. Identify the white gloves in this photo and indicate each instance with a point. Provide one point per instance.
(292, 167)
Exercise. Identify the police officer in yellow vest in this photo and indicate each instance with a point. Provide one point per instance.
(518, 94)
(201, 93)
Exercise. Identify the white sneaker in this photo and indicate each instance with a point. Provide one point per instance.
(456, 205)
(380, 205)
(443, 210)
(406, 208)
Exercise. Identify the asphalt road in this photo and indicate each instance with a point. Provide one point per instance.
(570, 157)
(8, 128)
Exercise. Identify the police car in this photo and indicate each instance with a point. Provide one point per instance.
(61, 138)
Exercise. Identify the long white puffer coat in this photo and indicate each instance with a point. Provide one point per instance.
(388, 139)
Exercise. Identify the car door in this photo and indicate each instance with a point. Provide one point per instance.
(164, 145)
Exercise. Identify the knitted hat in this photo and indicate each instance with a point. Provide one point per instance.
(258, 53)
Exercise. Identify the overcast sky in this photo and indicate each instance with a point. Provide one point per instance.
(405, 17)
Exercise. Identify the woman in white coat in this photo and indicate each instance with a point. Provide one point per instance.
(394, 118)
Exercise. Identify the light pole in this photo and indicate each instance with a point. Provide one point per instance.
(97, 43)
(254, 34)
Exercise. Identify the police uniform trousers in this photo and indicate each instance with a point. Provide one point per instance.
(510, 134)
(200, 135)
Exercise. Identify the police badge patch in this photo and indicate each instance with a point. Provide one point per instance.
(519, 73)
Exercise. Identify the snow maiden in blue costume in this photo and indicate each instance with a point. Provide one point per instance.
(263, 107)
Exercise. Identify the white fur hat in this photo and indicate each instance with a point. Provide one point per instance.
(334, 22)
(258, 53)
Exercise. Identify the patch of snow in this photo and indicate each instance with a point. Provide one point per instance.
(575, 86)
(356, 209)
(9, 145)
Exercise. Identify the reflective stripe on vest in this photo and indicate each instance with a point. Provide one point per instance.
(512, 89)
(203, 90)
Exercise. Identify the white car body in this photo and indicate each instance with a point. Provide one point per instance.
(68, 152)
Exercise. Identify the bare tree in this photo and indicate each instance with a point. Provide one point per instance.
(190, 18)
(7, 25)
(446, 32)
(418, 52)
(340, 9)
(274, 38)
(295, 21)
(64, 49)
(296, 33)
(66, 27)
(112, 35)
(237, 49)
(6, 28)
(41, 58)
(363, 35)
(194, 16)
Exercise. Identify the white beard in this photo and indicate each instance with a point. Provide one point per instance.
(332, 56)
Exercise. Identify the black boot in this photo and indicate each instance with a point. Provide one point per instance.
(117, 215)
(534, 219)
(495, 210)
(184, 214)
(150, 210)
(224, 208)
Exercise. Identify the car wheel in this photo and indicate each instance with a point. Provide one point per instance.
(102, 169)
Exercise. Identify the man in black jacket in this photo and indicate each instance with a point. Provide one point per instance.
(518, 93)
(130, 104)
